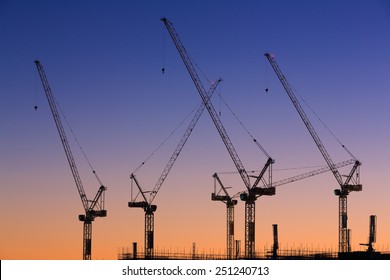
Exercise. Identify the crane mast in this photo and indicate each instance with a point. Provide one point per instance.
(94, 208)
(146, 203)
(345, 187)
(230, 203)
(253, 192)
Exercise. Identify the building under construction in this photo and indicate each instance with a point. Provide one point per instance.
(273, 253)
(285, 254)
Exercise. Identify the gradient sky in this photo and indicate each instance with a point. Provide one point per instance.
(103, 61)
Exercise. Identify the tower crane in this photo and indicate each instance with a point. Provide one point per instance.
(231, 202)
(352, 181)
(146, 203)
(93, 208)
(253, 192)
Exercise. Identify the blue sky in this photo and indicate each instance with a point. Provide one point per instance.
(103, 60)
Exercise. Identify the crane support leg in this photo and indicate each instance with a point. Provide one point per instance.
(87, 240)
(343, 229)
(230, 231)
(249, 229)
(149, 235)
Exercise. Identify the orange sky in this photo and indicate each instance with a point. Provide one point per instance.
(103, 62)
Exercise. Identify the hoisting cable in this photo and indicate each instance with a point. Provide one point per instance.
(219, 103)
(78, 143)
(131, 192)
(246, 129)
(162, 49)
(181, 123)
(165, 140)
(323, 123)
(36, 93)
(200, 70)
(277, 169)
(266, 75)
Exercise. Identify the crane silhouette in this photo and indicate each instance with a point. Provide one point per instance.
(345, 186)
(93, 208)
(253, 192)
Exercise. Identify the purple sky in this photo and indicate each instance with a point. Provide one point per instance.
(103, 60)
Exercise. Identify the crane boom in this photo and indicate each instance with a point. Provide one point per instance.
(253, 191)
(345, 187)
(311, 173)
(94, 208)
(62, 134)
(146, 204)
(182, 142)
(210, 108)
(305, 119)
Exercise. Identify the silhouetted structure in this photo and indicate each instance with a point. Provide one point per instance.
(253, 191)
(93, 208)
(351, 183)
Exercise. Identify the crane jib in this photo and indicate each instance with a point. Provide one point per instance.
(182, 142)
(89, 208)
(305, 119)
(210, 108)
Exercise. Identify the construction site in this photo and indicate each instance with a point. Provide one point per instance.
(232, 132)
(256, 185)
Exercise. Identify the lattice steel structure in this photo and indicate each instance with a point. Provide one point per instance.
(345, 186)
(146, 203)
(230, 230)
(253, 190)
(250, 229)
(149, 235)
(93, 208)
